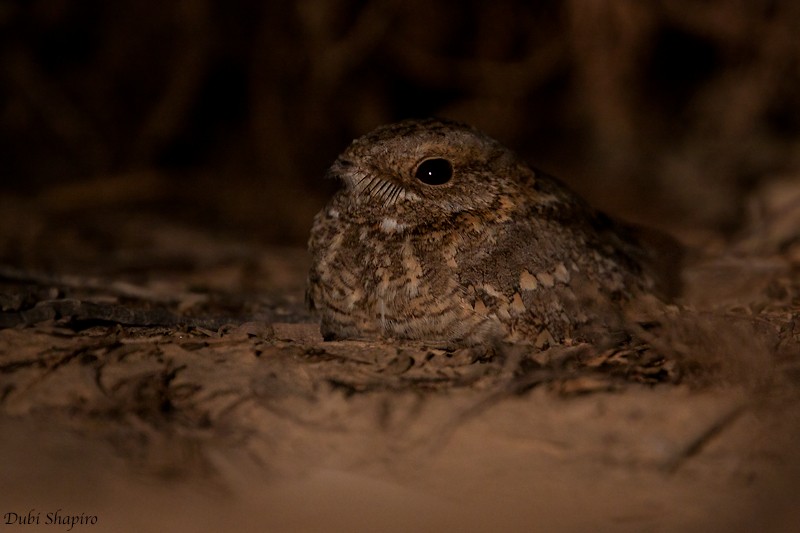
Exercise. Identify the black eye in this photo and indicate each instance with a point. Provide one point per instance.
(435, 171)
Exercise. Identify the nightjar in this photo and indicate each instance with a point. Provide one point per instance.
(442, 234)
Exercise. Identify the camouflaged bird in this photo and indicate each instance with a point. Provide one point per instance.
(442, 234)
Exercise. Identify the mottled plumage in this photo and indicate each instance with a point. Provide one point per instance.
(442, 234)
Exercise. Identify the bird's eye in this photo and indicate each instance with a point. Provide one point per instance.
(435, 171)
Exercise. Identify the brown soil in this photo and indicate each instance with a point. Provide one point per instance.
(167, 378)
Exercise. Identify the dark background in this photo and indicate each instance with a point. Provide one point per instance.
(226, 114)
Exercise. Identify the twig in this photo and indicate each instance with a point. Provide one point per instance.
(697, 444)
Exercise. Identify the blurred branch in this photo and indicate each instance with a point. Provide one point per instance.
(63, 119)
(332, 58)
(485, 77)
(189, 60)
(607, 38)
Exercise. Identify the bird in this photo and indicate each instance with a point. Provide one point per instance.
(441, 234)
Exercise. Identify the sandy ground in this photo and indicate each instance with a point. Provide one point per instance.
(162, 378)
